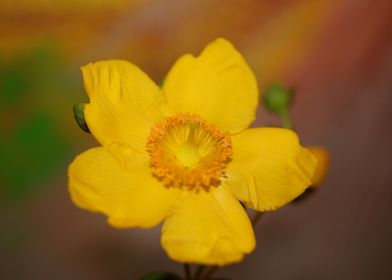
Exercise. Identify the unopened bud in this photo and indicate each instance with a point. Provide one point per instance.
(277, 98)
(78, 111)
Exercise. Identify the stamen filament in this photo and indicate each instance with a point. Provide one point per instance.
(187, 151)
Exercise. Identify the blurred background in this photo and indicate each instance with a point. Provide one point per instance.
(337, 54)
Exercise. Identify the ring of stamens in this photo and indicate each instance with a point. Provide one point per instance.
(187, 151)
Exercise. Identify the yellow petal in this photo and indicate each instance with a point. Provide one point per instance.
(269, 168)
(124, 102)
(218, 85)
(324, 160)
(208, 228)
(120, 186)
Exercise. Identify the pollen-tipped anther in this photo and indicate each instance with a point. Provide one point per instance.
(187, 151)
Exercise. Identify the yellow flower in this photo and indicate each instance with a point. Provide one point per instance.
(323, 159)
(182, 154)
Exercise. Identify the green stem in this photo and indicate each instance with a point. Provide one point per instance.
(286, 120)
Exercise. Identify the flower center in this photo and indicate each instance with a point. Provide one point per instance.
(187, 151)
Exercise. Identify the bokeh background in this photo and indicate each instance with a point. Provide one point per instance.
(337, 54)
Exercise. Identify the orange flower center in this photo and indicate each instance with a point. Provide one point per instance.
(187, 151)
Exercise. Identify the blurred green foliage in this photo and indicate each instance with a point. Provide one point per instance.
(31, 153)
(36, 90)
(13, 84)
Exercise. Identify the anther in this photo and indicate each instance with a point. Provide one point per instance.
(187, 151)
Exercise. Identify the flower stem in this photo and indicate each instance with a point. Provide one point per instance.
(286, 120)
(187, 270)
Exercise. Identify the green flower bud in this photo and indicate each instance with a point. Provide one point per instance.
(78, 111)
(277, 98)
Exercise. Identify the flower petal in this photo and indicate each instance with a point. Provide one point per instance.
(218, 85)
(124, 102)
(121, 187)
(208, 228)
(269, 167)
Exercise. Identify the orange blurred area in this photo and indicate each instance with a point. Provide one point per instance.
(337, 55)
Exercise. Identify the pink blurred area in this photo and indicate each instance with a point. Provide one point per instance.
(336, 54)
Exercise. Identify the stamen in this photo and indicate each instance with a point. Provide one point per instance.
(188, 152)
